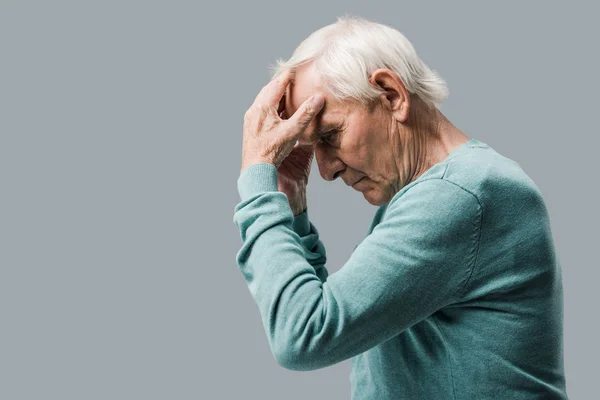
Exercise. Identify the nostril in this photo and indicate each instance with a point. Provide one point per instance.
(335, 176)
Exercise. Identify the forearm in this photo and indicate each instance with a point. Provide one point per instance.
(310, 322)
(314, 249)
(299, 311)
(298, 203)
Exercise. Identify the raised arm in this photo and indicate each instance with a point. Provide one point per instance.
(417, 260)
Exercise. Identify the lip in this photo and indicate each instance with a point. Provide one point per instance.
(355, 183)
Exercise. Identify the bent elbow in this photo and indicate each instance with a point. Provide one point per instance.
(294, 359)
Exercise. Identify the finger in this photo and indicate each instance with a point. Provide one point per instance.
(306, 113)
(272, 92)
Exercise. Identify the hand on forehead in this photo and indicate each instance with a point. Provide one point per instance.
(303, 85)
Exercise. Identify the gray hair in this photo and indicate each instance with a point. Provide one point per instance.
(345, 53)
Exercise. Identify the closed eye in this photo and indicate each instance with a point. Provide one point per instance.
(327, 137)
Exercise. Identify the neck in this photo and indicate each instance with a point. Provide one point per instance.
(429, 137)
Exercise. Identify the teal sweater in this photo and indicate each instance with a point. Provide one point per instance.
(454, 293)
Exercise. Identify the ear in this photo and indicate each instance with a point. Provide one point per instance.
(396, 98)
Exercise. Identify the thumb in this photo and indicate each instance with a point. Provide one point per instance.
(306, 113)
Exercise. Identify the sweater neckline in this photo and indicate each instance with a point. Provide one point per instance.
(471, 143)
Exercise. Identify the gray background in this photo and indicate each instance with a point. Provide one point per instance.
(120, 148)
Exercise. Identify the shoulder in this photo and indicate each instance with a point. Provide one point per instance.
(495, 180)
(475, 180)
(435, 223)
(436, 202)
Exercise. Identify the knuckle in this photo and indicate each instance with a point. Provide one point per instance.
(309, 111)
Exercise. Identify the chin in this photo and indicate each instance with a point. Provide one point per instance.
(374, 197)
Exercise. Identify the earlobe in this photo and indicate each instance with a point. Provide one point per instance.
(404, 109)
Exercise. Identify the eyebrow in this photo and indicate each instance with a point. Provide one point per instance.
(321, 131)
(324, 127)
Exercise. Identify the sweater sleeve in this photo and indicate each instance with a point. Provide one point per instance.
(314, 250)
(417, 260)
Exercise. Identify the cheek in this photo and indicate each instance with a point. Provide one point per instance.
(371, 156)
(361, 143)
(366, 150)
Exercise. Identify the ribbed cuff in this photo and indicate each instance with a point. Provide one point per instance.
(301, 224)
(257, 178)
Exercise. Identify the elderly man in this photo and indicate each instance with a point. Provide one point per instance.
(455, 292)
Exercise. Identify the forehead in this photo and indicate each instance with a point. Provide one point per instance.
(306, 82)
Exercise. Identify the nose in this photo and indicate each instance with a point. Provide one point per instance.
(330, 166)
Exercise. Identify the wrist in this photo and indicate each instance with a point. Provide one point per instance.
(298, 203)
(247, 163)
(298, 210)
